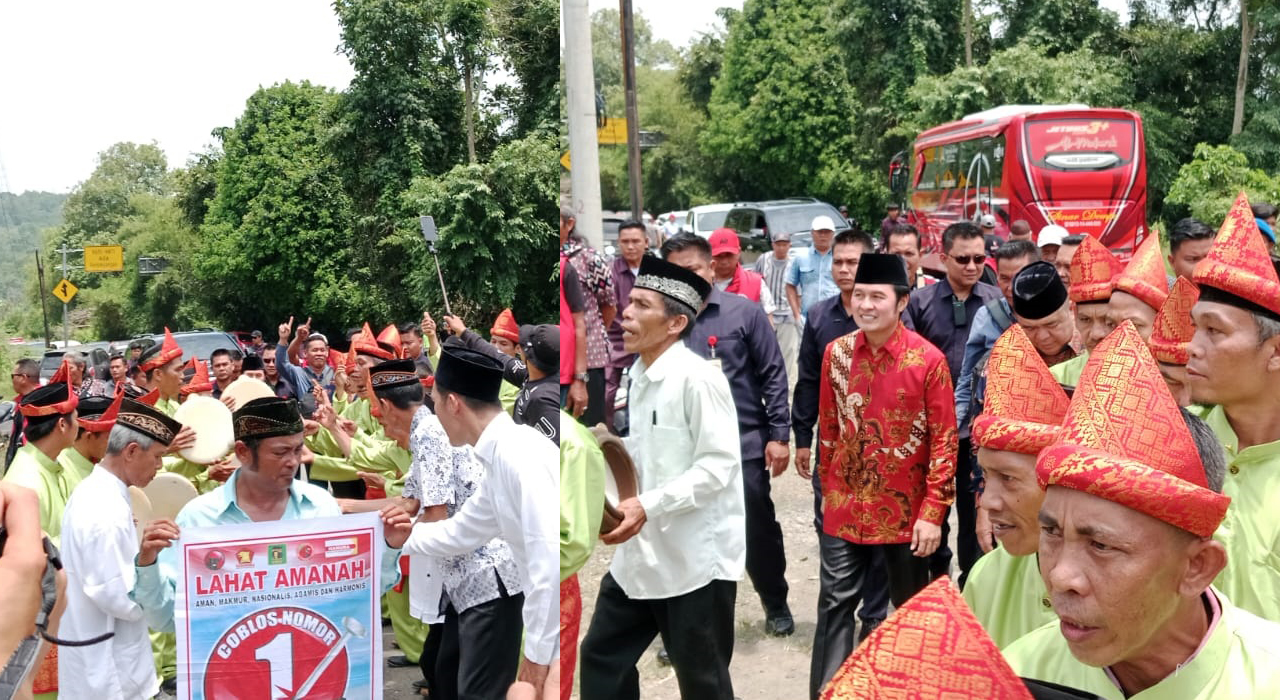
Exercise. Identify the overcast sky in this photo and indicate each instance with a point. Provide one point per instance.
(79, 76)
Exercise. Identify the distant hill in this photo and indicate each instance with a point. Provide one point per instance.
(22, 218)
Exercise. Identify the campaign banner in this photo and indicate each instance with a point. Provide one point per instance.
(280, 610)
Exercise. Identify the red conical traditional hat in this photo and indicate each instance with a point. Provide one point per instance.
(389, 340)
(1145, 277)
(1093, 269)
(63, 375)
(199, 380)
(1238, 263)
(105, 422)
(150, 398)
(931, 647)
(52, 399)
(1172, 330)
(1025, 405)
(169, 351)
(505, 326)
(1124, 440)
(365, 343)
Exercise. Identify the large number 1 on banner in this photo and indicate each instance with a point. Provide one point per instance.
(278, 653)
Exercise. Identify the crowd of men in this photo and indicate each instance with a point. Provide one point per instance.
(452, 442)
(1103, 429)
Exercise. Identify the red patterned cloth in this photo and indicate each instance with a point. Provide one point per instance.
(1238, 262)
(1124, 440)
(45, 679)
(1093, 268)
(1172, 330)
(1144, 278)
(1025, 405)
(931, 647)
(570, 620)
(886, 418)
(169, 351)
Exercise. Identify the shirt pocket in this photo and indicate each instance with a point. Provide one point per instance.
(808, 271)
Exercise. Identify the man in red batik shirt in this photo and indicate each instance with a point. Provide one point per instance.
(887, 457)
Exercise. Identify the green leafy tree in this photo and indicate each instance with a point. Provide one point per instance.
(1207, 186)
(526, 33)
(276, 240)
(496, 238)
(101, 202)
(782, 106)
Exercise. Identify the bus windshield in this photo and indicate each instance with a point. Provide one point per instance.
(1080, 144)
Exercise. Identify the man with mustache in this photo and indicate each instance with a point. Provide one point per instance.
(1023, 414)
(1126, 549)
(1234, 364)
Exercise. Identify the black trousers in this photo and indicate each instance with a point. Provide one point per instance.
(875, 595)
(595, 398)
(966, 522)
(696, 629)
(842, 579)
(342, 489)
(480, 650)
(430, 653)
(766, 557)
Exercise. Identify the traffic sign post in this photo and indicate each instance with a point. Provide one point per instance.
(97, 258)
(65, 291)
(103, 258)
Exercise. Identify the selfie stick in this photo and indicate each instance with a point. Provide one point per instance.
(430, 235)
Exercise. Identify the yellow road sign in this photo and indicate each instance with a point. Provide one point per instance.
(564, 160)
(103, 258)
(65, 291)
(613, 133)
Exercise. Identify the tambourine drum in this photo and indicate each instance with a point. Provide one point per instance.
(168, 493)
(620, 479)
(141, 507)
(246, 389)
(211, 421)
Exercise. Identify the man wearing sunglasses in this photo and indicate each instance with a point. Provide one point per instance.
(943, 313)
(25, 377)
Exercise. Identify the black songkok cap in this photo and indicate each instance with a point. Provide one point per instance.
(881, 268)
(673, 282)
(392, 374)
(48, 401)
(251, 363)
(1038, 291)
(469, 373)
(267, 417)
(148, 420)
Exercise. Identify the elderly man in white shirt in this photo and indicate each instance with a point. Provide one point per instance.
(519, 499)
(682, 541)
(99, 543)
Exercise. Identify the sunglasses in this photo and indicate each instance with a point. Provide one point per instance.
(964, 260)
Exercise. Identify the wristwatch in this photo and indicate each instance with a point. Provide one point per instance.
(581, 377)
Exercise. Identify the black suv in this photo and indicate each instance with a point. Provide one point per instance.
(755, 222)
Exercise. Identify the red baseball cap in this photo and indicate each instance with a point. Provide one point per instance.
(724, 240)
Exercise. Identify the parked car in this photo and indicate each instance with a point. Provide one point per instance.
(755, 222)
(703, 219)
(7, 409)
(97, 356)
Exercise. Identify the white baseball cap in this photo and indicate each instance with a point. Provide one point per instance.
(987, 221)
(1051, 235)
(822, 223)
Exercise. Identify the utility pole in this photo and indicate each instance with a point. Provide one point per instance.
(66, 327)
(584, 176)
(44, 307)
(633, 118)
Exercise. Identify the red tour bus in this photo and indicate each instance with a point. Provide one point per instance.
(1079, 167)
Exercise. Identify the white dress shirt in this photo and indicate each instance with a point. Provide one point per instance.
(519, 501)
(684, 442)
(99, 543)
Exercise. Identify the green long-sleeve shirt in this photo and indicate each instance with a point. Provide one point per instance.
(581, 494)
